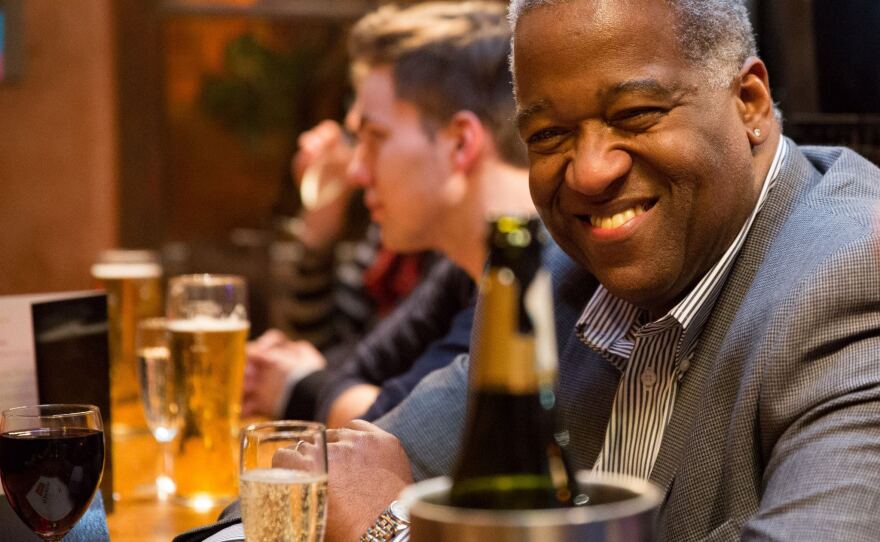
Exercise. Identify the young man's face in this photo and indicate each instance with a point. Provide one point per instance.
(400, 165)
(642, 172)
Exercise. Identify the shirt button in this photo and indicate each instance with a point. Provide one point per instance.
(684, 365)
(649, 377)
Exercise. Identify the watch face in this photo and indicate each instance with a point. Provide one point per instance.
(399, 510)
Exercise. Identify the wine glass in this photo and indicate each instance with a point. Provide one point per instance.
(51, 462)
(284, 481)
(159, 394)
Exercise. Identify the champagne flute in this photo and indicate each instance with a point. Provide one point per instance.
(51, 462)
(158, 387)
(284, 481)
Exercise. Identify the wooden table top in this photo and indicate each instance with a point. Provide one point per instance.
(154, 520)
(138, 513)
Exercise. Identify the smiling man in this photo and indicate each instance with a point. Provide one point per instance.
(644, 165)
(719, 325)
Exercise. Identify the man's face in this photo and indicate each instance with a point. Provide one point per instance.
(401, 167)
(642, 172)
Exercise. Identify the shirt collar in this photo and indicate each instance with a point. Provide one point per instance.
(611, 318)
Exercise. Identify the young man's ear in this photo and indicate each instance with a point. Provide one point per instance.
(755, 102)
(468, 136)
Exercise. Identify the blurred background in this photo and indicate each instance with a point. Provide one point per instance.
(169, 124)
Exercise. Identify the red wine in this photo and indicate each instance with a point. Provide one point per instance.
(51, 475)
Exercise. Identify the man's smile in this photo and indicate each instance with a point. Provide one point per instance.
(609, 221)
(617, 221)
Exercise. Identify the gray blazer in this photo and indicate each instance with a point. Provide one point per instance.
(776, 429)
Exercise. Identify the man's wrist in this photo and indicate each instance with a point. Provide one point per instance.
(392, 525)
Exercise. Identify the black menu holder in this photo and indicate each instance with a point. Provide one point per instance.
(92, 527)
(73, 362)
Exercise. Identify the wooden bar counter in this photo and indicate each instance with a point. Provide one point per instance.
(139, 515)
(154, 521)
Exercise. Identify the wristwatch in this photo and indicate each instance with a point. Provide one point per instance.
(392, 525)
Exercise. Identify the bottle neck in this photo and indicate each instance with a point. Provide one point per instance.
(511, 357)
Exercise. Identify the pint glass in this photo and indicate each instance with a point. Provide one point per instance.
(132, 280)
(207, 329)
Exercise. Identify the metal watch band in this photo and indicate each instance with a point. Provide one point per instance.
(386, 528)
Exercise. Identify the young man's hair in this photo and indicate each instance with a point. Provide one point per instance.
(445, 57)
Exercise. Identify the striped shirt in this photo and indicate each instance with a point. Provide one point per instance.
(654, 355)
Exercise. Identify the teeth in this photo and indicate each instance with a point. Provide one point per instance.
(617, 220)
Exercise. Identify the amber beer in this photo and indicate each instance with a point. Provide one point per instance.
(134, 292)
(132, 280)
(209, 360)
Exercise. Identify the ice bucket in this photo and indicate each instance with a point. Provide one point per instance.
(620, 509)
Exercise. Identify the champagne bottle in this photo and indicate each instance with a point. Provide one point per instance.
(510, 458)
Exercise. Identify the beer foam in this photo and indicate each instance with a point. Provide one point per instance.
(282, 476)
(144, 270)
(202, 324)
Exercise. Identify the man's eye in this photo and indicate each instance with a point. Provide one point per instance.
(640, 118)
(545, 136)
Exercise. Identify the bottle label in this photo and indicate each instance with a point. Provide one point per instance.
(508, 360)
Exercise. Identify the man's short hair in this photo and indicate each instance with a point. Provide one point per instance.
(446, 57)
(715, 35)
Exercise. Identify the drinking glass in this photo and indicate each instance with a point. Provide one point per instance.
(284, 481)
(207, 330)
(51, 462)
(133, 282)
(158, 386)
(132, 279)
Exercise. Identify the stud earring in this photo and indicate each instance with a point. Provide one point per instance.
(757, 132)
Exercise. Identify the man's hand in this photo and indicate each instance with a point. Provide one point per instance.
(319, 168)
(273, 360)
(368, 469)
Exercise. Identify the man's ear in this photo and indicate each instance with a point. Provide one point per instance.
(468, 136)
(754, 100)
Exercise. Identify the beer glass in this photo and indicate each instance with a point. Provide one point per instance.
(158, 393)
(207, 330)
(283, 481)
(132, 280)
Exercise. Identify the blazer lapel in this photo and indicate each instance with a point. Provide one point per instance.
(691, 393)
(588, 384)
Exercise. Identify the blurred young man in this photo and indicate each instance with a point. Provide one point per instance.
(719, 316)
(437, 154)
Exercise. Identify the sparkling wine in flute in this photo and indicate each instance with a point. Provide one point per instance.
(158, 392)
(510, 458)
(282, 505)
(209, 358)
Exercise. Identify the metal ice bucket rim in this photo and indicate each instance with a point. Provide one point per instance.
(647, 497)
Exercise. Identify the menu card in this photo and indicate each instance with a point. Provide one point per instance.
(54, 349)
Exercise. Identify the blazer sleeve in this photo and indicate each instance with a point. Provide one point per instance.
(438, 355)
(430, 422)
(819, 412)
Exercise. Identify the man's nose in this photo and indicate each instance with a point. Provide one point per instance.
(596, 164)
(358, 172)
